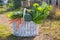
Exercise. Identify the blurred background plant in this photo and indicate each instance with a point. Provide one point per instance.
(10, 4)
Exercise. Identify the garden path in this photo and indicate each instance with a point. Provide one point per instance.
(3, 19)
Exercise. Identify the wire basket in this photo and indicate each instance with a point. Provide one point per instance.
(27, 29)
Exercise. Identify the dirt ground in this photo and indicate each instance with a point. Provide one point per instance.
(3, 19)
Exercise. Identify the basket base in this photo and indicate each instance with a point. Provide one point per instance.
(27, 29)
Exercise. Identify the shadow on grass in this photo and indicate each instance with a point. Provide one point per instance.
(12, 37)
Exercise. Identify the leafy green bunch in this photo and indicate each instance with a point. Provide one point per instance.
(14, 15)
(40, 12)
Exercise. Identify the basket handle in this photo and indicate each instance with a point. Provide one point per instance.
(24, 12)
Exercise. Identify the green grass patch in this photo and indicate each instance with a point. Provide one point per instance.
(2, 9)
(6, 33)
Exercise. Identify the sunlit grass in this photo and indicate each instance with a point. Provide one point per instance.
(52, 30)
(4, 31)
(2, 9)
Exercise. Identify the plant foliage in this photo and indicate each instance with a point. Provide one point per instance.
(40, 12)
(14, 15)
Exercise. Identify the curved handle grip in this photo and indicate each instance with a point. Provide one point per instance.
(24, 11)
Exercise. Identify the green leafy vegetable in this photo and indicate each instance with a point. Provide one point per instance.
(39, 13)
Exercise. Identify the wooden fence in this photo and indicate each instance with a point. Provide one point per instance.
(52, 2)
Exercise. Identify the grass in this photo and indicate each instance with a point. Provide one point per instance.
(52, 28)
(2, 9)
(6, 34)
(4, 31)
